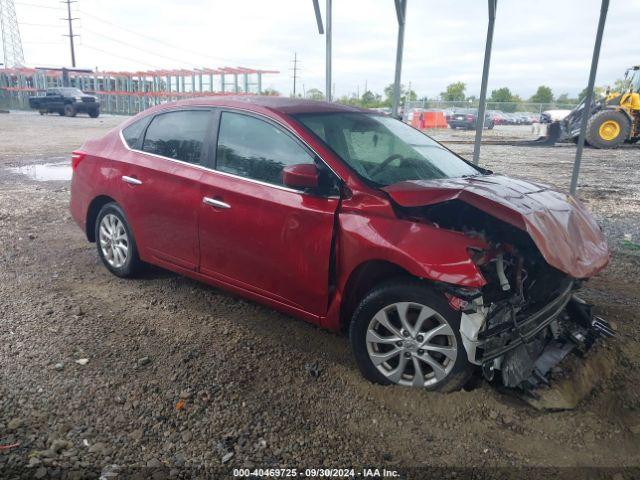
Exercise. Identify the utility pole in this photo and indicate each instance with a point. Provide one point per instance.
(71, 35)
(295, 72)
(329, 29)
(401, 12)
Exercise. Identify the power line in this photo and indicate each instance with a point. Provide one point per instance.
(162, 42)
(136, 47)
(36, 5)
(39, 24)
(135, 60)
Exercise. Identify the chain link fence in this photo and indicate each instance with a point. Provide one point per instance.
(507, 107)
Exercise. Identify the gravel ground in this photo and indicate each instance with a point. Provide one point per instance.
(165, 376)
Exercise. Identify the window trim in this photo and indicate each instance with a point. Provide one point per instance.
(212, 147)
(145, 123)
(266, 120)
(204, 153)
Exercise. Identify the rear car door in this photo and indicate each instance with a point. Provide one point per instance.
(257, 234)
(161, 185)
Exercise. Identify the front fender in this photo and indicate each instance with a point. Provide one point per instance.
(422, 250)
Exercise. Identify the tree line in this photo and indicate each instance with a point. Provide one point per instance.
(457, 92)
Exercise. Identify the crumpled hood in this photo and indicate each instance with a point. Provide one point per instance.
(562, 228)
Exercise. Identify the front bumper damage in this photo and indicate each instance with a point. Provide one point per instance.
(524, 346)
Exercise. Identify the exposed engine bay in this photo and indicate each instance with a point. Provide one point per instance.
(527, 318)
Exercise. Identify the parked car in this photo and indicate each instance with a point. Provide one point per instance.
(66, 101)
(466, 118)
(497, 117)
(348, 219)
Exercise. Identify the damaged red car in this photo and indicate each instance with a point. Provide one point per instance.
(351, 220)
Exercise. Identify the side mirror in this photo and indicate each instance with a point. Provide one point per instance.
(302, 175)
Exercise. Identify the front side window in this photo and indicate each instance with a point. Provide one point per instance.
(179, 135)
(252, 148)
(385, 150)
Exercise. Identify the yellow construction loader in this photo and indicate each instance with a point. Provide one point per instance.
(613, 120)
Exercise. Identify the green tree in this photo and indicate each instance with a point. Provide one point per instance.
(542, 95)
(315, 94)
(621, 85)
(271, 92)
(501, 95)
(405, 95)
(455, 92)
(597, 93)
(507, 100)
(369, 99)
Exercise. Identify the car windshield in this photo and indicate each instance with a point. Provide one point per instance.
(385, 150)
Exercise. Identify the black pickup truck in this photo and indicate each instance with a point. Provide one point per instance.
(66, 101)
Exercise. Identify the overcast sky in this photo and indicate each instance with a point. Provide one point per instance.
(536, 42)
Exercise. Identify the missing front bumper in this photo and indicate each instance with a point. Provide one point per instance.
(574, 330)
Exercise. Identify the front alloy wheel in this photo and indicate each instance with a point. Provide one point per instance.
(404, 332)
(411, 344)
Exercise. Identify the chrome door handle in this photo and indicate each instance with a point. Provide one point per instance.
(131, 180)
(215, 203)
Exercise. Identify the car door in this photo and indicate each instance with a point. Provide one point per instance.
(53, 100)
(161, 185)
(257, 234)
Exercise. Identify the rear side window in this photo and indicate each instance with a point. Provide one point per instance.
(252, 148)
(179, 135)
(133, 133)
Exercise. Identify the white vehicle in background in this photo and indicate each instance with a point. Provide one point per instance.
(555, 115)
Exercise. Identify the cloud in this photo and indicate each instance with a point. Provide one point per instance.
(543, 42)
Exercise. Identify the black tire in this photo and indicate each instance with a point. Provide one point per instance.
(94, 112)
(69, 110)
(415, 291)
(61, 113)
(132, 264)
(596, 122)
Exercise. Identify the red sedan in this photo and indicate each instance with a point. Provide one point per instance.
(345, 218)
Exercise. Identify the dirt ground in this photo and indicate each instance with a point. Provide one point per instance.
(183, 376)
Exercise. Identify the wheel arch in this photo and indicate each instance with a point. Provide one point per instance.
(362, 279)
(92, 215)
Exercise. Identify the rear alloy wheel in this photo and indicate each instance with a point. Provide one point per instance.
(69, 110)
(608, 129)
(407, 334)
(116, 245)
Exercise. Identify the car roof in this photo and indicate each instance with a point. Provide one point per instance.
(283, 105)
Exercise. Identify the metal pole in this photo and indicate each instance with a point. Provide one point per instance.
(71, 35)
(401, 10)
(328, 34)
(587, 101)
(485, 78)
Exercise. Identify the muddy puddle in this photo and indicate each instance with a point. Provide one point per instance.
(60, 171)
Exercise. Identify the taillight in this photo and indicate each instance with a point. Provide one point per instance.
(469, 117)
(76, 158)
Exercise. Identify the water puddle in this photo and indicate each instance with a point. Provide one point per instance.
(46, 171)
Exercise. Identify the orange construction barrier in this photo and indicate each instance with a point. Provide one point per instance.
(426, 120)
